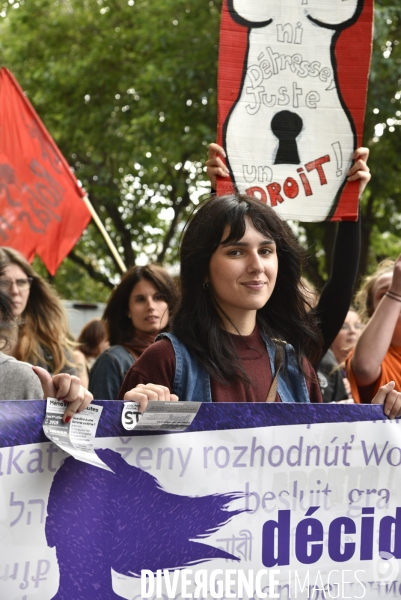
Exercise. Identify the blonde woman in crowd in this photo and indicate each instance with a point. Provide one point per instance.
(376, 358)
(43, 336)
(20, 381)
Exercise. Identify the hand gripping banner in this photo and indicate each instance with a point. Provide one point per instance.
(252, 501)
(41, 206)
(292, 89)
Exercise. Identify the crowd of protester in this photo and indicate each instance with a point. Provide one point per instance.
(240, 325)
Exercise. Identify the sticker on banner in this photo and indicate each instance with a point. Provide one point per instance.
(75, 437)
(130, 416)
(159, 416)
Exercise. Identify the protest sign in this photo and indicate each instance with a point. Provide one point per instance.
(41, 206)
(292, 91)
(252, 501)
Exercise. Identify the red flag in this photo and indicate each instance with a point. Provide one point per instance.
(41, 206)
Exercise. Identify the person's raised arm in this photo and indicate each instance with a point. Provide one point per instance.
(376, 338)
(333, 306)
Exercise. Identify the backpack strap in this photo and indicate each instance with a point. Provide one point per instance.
(278, 361)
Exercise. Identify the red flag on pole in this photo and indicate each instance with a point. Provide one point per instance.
(41, 206)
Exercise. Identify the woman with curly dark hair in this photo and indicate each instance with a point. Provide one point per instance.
(139, 308)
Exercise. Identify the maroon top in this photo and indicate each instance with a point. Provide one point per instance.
(157, 365)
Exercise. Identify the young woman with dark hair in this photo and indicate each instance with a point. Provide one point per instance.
(331, 307)
(242, 312)
(138, 309)
(242, 332)
(212, 243)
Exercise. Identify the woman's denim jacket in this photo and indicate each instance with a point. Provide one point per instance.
(192, 383)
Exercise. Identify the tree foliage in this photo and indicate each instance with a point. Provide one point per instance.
(128, 90)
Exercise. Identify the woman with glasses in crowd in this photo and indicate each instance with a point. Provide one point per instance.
(20, 381)
(43, 337)
(17, 379)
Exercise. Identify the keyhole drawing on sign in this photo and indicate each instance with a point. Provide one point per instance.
(286, 126)
(289, 110)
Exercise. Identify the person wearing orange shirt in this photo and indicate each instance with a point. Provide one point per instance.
(376, 358)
